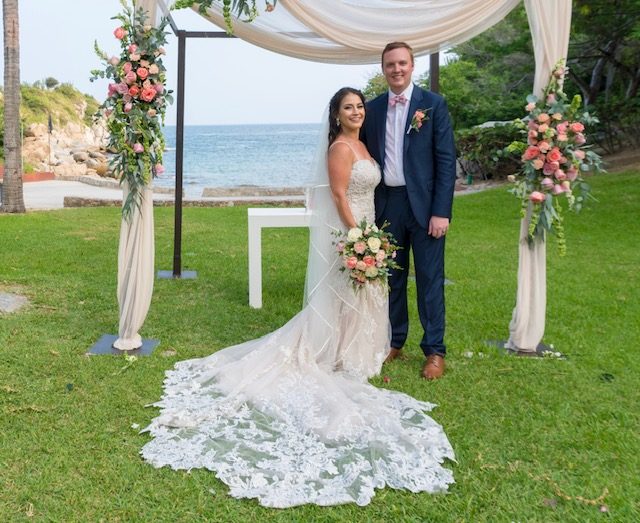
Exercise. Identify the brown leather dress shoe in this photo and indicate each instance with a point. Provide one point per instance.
(433, 368)
(394, 354)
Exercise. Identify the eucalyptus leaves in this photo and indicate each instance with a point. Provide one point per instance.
(245, 10)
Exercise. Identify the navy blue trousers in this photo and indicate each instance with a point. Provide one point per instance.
(428, 261)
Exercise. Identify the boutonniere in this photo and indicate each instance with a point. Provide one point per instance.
(419, 117)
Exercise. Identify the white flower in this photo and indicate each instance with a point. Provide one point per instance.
(354, 234)
(374, 228)
(374, 244)
(371, 272)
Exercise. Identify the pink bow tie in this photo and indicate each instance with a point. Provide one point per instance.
(398, 99)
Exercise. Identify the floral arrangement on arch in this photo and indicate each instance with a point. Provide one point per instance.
(367, 253)
(555, 154)
(245, 10)
(136, 101)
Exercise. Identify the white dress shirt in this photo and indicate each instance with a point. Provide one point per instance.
(394, 140)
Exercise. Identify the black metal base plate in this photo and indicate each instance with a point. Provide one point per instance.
(105, 346)
(542, 350)
(184, 275)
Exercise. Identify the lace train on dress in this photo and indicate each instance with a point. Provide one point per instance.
(290, 418)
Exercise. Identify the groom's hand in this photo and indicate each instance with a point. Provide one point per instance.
(438, 226)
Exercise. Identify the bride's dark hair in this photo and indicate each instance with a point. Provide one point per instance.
(334, 108)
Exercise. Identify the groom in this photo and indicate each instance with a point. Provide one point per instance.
(418, 159)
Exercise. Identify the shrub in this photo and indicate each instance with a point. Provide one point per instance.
(481, 150)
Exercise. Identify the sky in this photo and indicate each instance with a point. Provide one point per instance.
(228, 81)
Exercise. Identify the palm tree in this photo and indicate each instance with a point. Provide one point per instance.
(12, 197)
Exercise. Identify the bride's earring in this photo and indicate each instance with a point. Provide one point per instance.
(338, 122)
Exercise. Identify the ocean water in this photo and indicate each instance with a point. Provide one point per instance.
(232, 155)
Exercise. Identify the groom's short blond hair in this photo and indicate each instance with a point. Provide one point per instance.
(396, 45)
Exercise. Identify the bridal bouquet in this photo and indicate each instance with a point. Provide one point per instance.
(367, 253)
(554, 156)
(136, 100)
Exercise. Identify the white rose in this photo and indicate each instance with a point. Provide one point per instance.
(374, 244)
(374, 228)
(354, 234)
(371, 272)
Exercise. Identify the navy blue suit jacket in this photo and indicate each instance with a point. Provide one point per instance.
(429, 154)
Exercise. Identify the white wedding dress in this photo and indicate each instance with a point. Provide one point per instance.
(290, 418)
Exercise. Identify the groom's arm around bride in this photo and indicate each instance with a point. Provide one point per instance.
(409, 133)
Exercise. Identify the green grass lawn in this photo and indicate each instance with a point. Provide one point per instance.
(535, 439)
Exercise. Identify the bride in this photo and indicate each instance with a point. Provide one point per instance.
(290, 418)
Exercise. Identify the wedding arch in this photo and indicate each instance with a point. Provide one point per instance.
(355, 32)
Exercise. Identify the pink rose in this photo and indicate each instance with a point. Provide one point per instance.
(551, 99)
(562, 137)
(154, 69)
(530, 107)
(566, 185)
(554, 155)
(134, 57)
(579, 154)
(148, 94)
(151, 113)
(122, 88)
(557, 116)
(361, 266)
(147, 84)
(531, 152)
(134, 91)
(130, 77)
(112, 89)
(144, 63)
(560, 175)
(142, 73)
(138, 147)
(538, 163)
(120, 33)
(340, 246)
(532, 125)
(114, 60)
(381, 255)
(127, 98)
(559, 72)
(351, 262)
(359, 247)
(558, 189)
(543, 117)
(580, 139)
(543, 128)
(544, 146)
(159, 88)
(533, 134)
(572, 173)
(537, 197)
(159, 168)
(577, 127)
(132, 48)
(127, 67)
(546, 183)
(127, 107)
(369, 261)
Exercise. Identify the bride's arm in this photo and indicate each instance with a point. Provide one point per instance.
(340, 163)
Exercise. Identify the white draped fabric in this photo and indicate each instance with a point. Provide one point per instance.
(136, 256)
(550, 22)
(356, 31)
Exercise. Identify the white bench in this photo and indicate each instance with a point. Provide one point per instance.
(267, 217)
